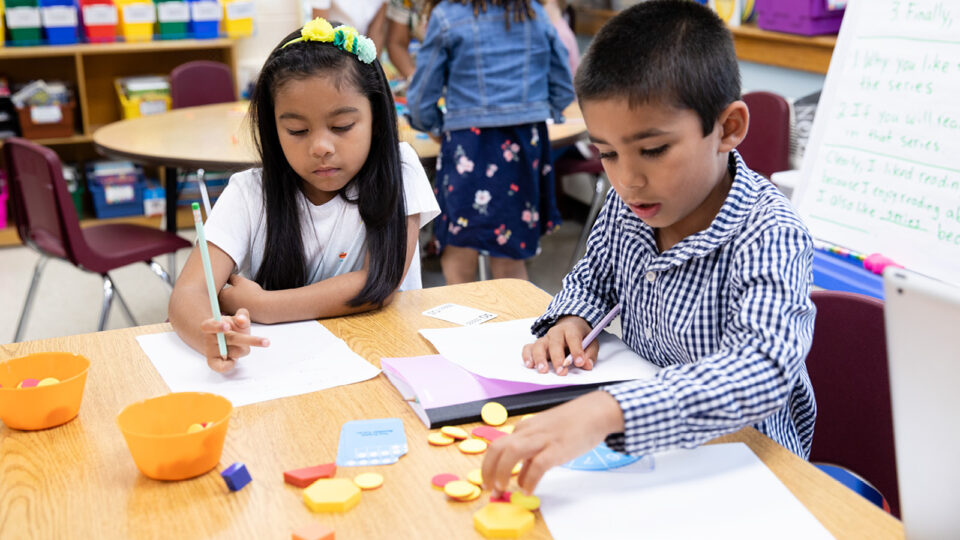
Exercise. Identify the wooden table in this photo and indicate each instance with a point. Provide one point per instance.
(79, 481)
(217, 137)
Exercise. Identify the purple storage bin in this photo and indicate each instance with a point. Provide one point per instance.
(805, 17)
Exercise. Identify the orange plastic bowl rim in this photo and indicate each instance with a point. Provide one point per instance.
(42, 407)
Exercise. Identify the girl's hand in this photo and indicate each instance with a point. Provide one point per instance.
(551, 438)
(566, 335)
(236, 330)
(242, 292)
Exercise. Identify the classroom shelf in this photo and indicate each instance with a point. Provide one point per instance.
(753, 44)
(90, 69)
(8, 236)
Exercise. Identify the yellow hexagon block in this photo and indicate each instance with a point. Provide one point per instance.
(503, 520)
(331, 495)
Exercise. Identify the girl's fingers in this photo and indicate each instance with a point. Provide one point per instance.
(246, 340)
(219, 364)
(212, 326)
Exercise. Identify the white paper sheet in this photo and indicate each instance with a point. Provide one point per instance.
(715, 491)
(303, 357)
(493, 350)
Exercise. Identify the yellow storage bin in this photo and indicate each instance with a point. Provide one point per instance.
(238, 17)
(2, 30)
(141, 105)
(137, 18)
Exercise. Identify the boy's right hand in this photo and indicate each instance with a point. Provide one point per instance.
(236, 331)
(566, 335)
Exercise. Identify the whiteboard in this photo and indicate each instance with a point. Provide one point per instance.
(882, 170)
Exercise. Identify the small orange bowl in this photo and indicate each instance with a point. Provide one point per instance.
(156, 433)
(42, 407)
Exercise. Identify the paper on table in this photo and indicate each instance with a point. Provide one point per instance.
(493, 350)
(303, 357)
(714, 491)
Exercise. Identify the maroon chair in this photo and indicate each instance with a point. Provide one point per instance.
(848, 369)
(47, 222)
(201, 82)
(766, 148)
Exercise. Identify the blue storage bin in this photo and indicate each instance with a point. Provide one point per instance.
(60, 21)
(128, 206)
(205, 18)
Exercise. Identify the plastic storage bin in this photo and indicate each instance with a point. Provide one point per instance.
(23, 21)
(238, 18)
(3, 200)
(100, 20)
(205, 18)
(44, 122)
(137, 18)
(60, 21)
(805, 17)
(173, 16)
(135, 107)
(2, 29)
(116, 196)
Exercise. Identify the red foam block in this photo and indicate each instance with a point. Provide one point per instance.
(308, 475)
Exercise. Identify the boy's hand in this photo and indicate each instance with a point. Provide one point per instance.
(566, 335)
(242, 292)
(236, 330)
(551, 438)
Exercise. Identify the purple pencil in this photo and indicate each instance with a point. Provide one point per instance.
(604, 322)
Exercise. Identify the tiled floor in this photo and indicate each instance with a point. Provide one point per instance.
(68, 300)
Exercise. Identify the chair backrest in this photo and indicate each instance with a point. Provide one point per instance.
(42, 207)
(848, 369)
(201, 82)
(766, 148)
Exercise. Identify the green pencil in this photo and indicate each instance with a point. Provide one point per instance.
(208, 272)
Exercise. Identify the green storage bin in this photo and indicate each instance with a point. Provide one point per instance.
(22, 34)
(173, 16)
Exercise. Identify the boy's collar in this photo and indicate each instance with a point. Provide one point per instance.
(727, 223)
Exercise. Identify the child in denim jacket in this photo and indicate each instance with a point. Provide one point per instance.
(502, 71)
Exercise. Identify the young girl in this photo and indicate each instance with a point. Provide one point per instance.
(502, 72)
(328, 226)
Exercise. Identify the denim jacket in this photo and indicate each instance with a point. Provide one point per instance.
(488, 75)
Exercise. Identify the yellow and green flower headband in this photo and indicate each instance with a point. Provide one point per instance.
(346, 38)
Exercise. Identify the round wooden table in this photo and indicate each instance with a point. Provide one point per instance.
(217, 137)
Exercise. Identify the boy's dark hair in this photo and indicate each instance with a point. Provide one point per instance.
(676, 52)
(520, 10)
(379, 182)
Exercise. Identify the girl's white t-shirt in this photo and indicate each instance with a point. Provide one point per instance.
(333, 233)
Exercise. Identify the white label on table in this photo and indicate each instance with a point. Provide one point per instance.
(46, 114)
(139, 13)
(153, 106)
(100, 15)
(240, 10)
(23, 17)
(173, 12)
(59, 16)
(205, 11)
(119, 193)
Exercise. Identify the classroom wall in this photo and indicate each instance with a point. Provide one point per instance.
(275, 19)
(789, 83)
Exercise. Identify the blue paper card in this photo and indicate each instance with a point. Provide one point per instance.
(602, 458)
(371, 442)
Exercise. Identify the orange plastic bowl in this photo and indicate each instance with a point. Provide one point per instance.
(42, 407)
(156, 433)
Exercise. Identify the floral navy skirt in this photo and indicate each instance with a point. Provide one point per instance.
(495, 189)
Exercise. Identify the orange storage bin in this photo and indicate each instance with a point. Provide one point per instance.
(42, 407)
(156, 433)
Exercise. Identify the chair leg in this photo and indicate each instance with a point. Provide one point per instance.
(28, 303)
(107, 301)
(161, 273)
(203, 192)
(483, 265)
(125, 307)
(600, 188)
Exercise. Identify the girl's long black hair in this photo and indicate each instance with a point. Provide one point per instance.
(379, 182)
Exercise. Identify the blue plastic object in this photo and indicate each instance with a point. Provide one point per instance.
(131, 207)
(857, 484)
(601, 458)
(236, 476)
(837, 274)
(203, 29)
(60, 35)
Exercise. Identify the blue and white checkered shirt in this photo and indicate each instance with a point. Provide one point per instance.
(726, 312)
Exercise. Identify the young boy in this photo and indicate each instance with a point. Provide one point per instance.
(709, 261)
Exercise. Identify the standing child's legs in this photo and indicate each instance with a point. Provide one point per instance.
(459, 264)
(502, 267)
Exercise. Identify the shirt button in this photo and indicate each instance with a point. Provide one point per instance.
(651, 276)
(648, 333)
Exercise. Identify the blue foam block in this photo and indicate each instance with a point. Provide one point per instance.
(236, 476)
